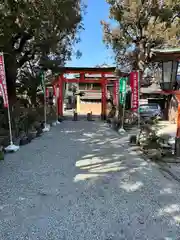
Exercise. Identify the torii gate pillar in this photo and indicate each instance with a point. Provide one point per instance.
(103, 97)
(60, 97)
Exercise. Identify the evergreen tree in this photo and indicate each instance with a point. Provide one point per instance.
(140, 26)
(37, 29)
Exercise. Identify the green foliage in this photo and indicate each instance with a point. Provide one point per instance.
(29, 81)
(143, 25)
(38, 30)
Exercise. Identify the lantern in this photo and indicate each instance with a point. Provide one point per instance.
(169, 59)
(169, 74)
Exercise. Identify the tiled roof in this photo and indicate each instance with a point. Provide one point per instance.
(166, 50)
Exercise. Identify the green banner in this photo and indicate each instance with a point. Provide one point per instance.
(122, 89)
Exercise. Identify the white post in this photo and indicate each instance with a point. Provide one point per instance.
(123, 113)
(46, 127)
(10, 127)
(11, 147)
(139, 85)
(45, 110)
(138, 110)
(56, 102)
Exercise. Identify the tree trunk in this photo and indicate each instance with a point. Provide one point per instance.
(33, 97)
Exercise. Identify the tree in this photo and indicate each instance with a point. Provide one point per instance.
(141, 25)
(29, 80)
(37, 29)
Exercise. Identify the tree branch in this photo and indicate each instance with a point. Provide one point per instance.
(24, 38)
(28, 55)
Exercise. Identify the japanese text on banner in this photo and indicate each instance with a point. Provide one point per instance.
(135, 90)
(122, 89)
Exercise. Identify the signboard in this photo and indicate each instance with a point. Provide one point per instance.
(134, 83)
(122, 89)
(3, 85)
(116, 92)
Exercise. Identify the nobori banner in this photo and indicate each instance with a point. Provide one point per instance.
(134, 83)
(3, 85)
(122, 89)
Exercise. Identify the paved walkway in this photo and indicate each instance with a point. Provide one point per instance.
(81, 182)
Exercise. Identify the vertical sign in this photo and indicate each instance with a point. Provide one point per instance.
(122, 89)
(134, 82)
(3, 93)
(115, 92)
(3, 86)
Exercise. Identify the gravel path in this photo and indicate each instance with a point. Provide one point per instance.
(81, 181)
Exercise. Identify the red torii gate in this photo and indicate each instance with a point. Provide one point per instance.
(105, 77)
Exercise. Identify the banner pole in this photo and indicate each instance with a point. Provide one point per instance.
(11, 147)
(8, 110)
(56, 103)
(46, 127)
(57, 117)
(45, 119)
(139, 119)
(138, 110)
(55, 96)
(123, 114)
(10, 127)
(123, 99)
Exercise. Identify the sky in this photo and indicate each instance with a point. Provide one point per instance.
(94, 51)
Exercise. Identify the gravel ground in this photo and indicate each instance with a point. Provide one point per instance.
(81, 181)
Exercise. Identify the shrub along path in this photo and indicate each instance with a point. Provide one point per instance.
(82, 181)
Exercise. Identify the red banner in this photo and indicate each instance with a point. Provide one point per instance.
(3, 85)
(115, 92)
(134, 90)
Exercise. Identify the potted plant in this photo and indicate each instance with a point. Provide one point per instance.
(32, 132)
(31, 119)
(38, 126)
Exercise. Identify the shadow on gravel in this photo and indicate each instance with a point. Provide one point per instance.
(113, 167)
(82, 181)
